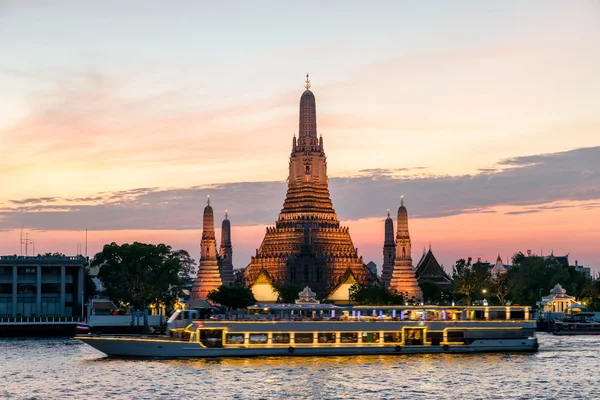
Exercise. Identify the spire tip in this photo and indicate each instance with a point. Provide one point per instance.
(307, 83)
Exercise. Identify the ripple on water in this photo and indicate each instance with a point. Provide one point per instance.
(65, 368)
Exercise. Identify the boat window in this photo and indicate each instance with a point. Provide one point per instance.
(517, 314)
(234, 338)
(456, 336)
(414, 337)
(497, 314)
(258, 338)
(435, 338)
(211, 337)
(370, 337)
(326, 337)
(303, 337)
(349, 337)
(282, 338)
(392, 337)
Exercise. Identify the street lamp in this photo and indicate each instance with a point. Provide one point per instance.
(484, 291)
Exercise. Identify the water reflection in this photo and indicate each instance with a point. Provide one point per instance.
(59, 368)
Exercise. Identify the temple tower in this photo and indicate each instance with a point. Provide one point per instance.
(226, 253)
(307, 246)
(403, 279)
(389, 251)
(208, 277)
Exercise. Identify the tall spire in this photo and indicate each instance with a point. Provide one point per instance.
(308, 114)
(209, 277)
(226, 252)
(404, 280)
(389, 250)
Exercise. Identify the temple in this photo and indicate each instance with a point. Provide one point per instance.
(429, 269)
(307, 246)
(403, 278)
(209, 276)
(226, 253)
(389, 251)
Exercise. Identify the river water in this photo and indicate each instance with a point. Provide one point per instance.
(564, 368)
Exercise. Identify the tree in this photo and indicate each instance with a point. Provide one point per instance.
(468, 279)
(287, 293)
(232, 297)
(501, 287)
(375, 294)
(431, 291)
(141, 274)
(534, 276)
(238, 277)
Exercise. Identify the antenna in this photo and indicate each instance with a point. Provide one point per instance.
(86, 241)
(26, 242)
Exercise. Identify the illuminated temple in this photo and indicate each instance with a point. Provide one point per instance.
(307, 246)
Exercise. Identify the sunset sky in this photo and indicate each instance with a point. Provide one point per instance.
(120, 117)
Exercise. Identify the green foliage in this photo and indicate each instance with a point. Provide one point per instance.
(501, 288)
(534, 276)
(287, 293)
(90, 286)
(469, 279)
(238, 277)
(232, 297)
(432, 293)
(375, 295)
(141, 274)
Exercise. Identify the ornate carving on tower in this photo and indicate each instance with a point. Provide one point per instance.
(307, 246)
(389, 251)
(208, 277)
(226, 252)
(403, 278)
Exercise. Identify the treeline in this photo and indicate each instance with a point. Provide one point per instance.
(529, 278)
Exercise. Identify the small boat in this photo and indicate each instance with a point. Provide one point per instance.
(286, 330)
(584, 323)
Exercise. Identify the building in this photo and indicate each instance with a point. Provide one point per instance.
(372, 267)
(209, 276)
(558, 301)
(499, 268)
(307, 246)
(226, 252)
(429, 269)
(403, 279)
(389, 251)
(43, 286)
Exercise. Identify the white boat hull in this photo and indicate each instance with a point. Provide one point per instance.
(157, 348)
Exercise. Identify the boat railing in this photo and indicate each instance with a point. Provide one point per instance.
(362, 319)
(39, 320)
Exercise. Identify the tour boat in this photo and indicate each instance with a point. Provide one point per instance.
(325, 329)
(584, 323)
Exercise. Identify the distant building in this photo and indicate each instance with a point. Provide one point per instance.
(558, 301)
(209, 276)
(389, 251)
(403, 278)
(41, 286)
(586, 270)
(499, 268)
(429, 269)
(372, 267)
